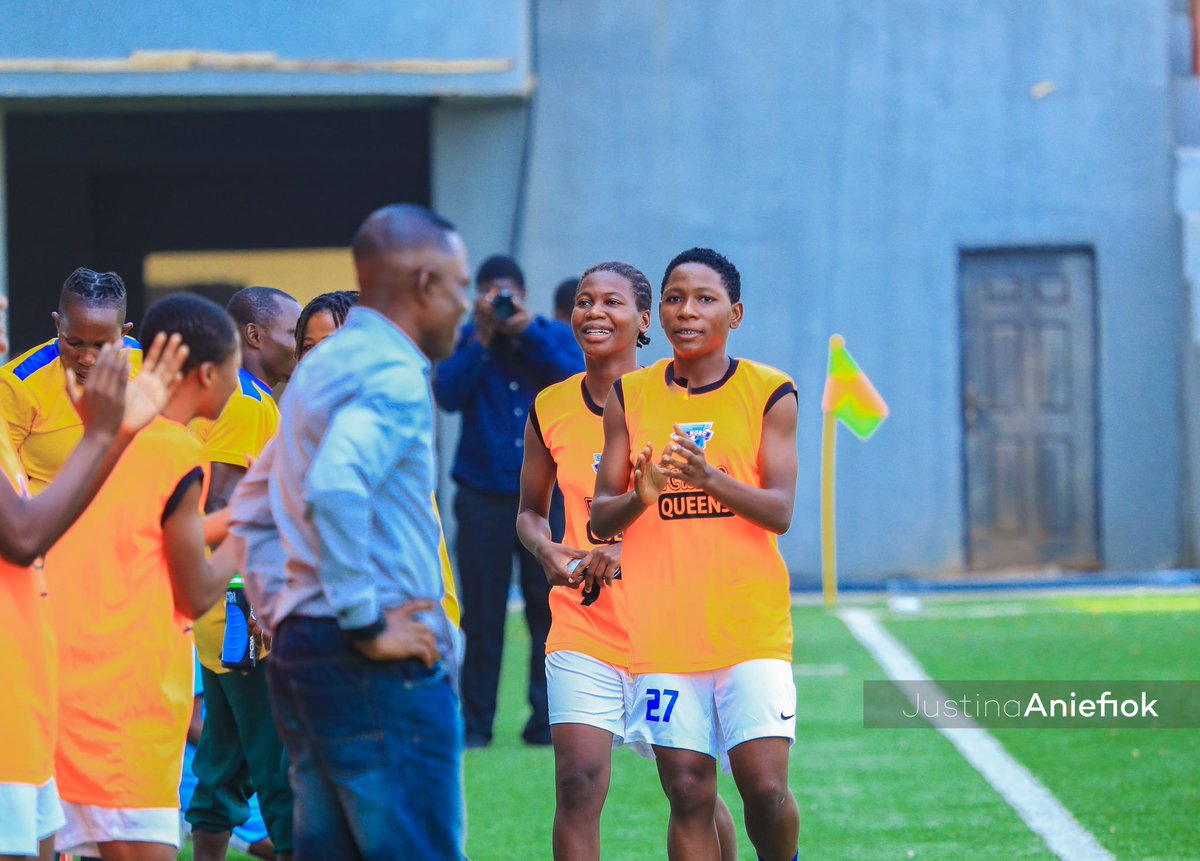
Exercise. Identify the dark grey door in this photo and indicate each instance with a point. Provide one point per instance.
(1029, 407)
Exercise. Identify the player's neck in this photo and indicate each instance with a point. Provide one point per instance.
(252, 365)
(700, 371)
(181, 410)
(184, 404)
(600, 374)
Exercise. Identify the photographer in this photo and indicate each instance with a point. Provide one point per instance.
(505, 356)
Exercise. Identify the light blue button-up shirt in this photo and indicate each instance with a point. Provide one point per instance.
(352, 474)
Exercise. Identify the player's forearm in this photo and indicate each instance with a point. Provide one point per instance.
(39, 522)
(216, 527)
(614, 514)
(534, 531)
(206, 584)
(766, 507)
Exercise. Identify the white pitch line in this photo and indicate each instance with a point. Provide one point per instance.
(1034, 803)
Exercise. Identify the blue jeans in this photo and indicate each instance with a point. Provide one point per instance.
(375, 748)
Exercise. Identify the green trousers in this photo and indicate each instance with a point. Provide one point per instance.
(239, 754)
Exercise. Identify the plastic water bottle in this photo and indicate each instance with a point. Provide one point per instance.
(238, 650)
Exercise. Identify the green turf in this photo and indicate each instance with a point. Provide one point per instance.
(234, 855)
(863, 794)
(1134, 789)
(898, 794)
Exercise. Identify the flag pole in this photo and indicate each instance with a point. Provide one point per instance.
(828, 511)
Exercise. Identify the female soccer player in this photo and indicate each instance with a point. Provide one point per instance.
(709, 608)
(130, 576)
(112, 411)
(587, 651)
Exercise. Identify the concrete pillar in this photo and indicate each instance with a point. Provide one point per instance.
(476, 157)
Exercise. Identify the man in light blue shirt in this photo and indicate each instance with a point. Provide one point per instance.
(364, 656)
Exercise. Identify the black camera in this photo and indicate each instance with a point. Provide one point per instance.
(503, 306)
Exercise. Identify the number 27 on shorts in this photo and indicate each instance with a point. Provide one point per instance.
(654, 704)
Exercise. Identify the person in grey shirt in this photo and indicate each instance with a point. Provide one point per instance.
(364, 658)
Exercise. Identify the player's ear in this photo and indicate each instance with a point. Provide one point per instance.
(126, 329)
(644, 323)
(735, 315)
(252, 334)
(57, 323)
(206, 374)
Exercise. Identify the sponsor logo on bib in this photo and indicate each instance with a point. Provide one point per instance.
(699, 432)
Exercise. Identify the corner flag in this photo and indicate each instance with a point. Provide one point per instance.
(849, 395)
(850, 398)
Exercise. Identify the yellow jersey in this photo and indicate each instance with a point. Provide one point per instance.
(706, 588)
(236, 437)
(43, 426)
(571, 426)
(450, 598)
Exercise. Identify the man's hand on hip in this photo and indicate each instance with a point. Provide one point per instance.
(404, 637)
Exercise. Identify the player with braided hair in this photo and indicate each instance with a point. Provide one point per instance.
(43, 425)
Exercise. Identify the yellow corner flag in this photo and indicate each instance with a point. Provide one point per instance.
(849, 395)
(850, 398)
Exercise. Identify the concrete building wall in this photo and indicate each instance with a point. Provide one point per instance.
(842, 155)
(349, 30)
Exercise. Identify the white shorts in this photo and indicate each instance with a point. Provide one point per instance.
(584, 690)
(88, 825)
(28, 814)
(715, 711)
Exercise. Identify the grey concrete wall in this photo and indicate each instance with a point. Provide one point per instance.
(842, 154)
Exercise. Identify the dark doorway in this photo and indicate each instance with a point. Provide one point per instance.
(104, 190)
(1029, 410)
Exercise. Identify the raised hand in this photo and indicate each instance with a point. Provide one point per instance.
(404, 637)
(147, 395)
(648, 477)
(685, 460)
(101, 402)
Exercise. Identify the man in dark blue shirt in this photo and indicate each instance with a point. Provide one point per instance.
(505, 356)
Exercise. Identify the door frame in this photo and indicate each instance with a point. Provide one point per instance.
(964, 251)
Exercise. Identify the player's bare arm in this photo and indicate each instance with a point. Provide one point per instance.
(197, 584)
(216, 527)
(615, 506)
(221, 485)
(538, 473)
(769, 506)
